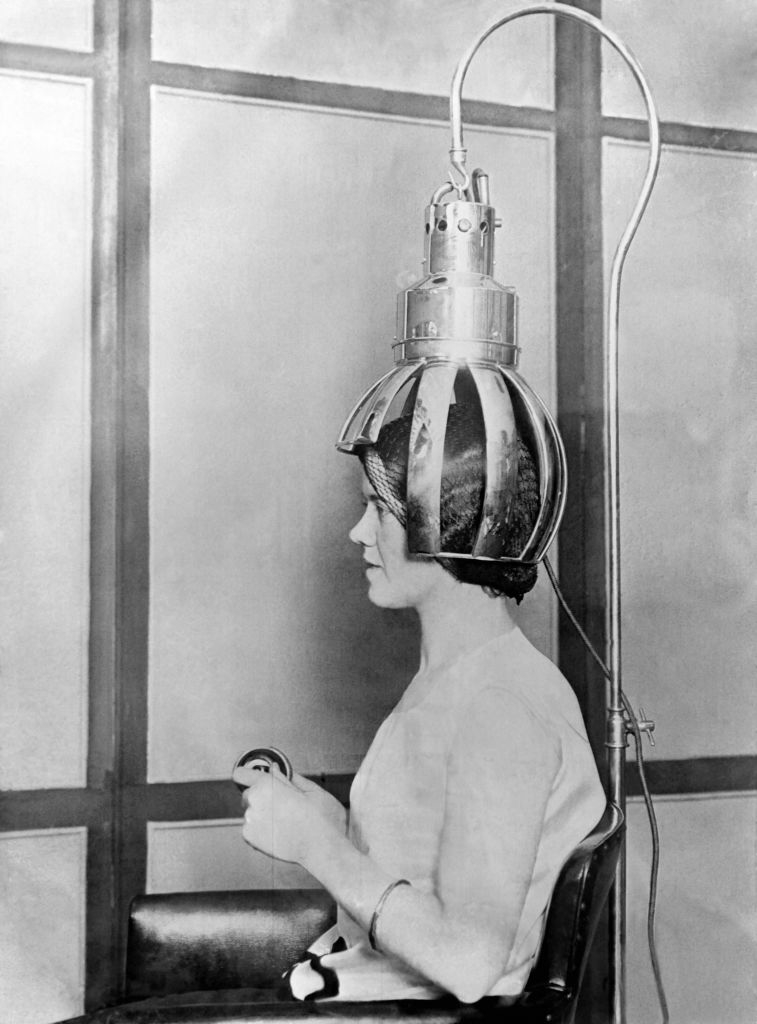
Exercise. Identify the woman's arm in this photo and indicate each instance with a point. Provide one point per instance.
(460, 937)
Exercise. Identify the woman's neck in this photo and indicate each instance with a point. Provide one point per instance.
(458, 619)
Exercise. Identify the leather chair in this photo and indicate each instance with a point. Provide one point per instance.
(210, 957)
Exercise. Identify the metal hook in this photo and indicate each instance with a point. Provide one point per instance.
(457, 162)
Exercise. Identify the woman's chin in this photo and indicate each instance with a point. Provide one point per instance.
(376, 597)
(378, 594)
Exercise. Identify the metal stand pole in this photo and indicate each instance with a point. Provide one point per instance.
(616, 722)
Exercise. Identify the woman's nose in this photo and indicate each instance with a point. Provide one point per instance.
(361, 532)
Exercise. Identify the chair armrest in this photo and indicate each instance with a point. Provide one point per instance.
(189, 942)
(243, 1007)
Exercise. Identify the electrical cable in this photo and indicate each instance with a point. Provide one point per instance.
(633, 725)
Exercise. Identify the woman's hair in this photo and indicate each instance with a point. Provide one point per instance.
(462, 495)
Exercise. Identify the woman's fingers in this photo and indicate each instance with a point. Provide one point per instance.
(249, 778)
(246, 777)
(277, 817)
(304, 785)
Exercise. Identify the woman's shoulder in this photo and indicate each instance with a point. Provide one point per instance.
(513, 681)
(512, 665)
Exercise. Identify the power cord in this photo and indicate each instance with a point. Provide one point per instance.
(633, 724)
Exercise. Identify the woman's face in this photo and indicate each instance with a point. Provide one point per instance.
(396, 579)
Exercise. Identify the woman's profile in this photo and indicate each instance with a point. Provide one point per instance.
(476, 787)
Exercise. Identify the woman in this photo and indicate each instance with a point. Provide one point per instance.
(477, 786)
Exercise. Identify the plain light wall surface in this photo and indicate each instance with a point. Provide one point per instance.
(688, 391)
(45, 211)
(66, 24)
(42, 926)
(193, 856)
(698, 56)
(274, 281)
(410, 45)
(706, 925)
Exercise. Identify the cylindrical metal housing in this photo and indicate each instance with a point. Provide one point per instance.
(459, 237)
(459, 304)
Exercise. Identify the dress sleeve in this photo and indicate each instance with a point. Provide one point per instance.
(501, 768)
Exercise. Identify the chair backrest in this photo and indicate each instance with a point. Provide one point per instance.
(574, 911)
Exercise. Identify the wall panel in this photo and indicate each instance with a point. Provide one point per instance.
(66, 24)
(698, 57)
(42, 879)
(706, 931)
(688, 373)
(189, 856)
(45, 210)
(273, 290)
(413, 47)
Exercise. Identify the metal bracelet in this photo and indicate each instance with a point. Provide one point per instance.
(380, 906)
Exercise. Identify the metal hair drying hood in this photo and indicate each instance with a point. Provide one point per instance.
(459, 317)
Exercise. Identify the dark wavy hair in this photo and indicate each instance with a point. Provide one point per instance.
(462, 495)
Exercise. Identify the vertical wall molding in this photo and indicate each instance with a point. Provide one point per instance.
(580, 355)
(101, 875)
(133, 441)
(580, 375)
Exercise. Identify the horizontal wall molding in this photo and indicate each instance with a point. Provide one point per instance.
(219, 798)
(692, 136)
(52, 808)
(419, 106)
(695, 775)
(338, 96)
(47, 60)
(366, 99)
(188, 801)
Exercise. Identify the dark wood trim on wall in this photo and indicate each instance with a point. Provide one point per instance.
(219, 798)
(133, 439)
(103, 394)
(48, 60)
(133, 411)
(25, 809)
(580, 357)
(215, 798)
(338, 96)
(579, 305)
(419, 106)
(696, 776)
(691, 136)
(101, 876)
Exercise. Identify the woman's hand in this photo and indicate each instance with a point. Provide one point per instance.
(281, 818)
(321, 799)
